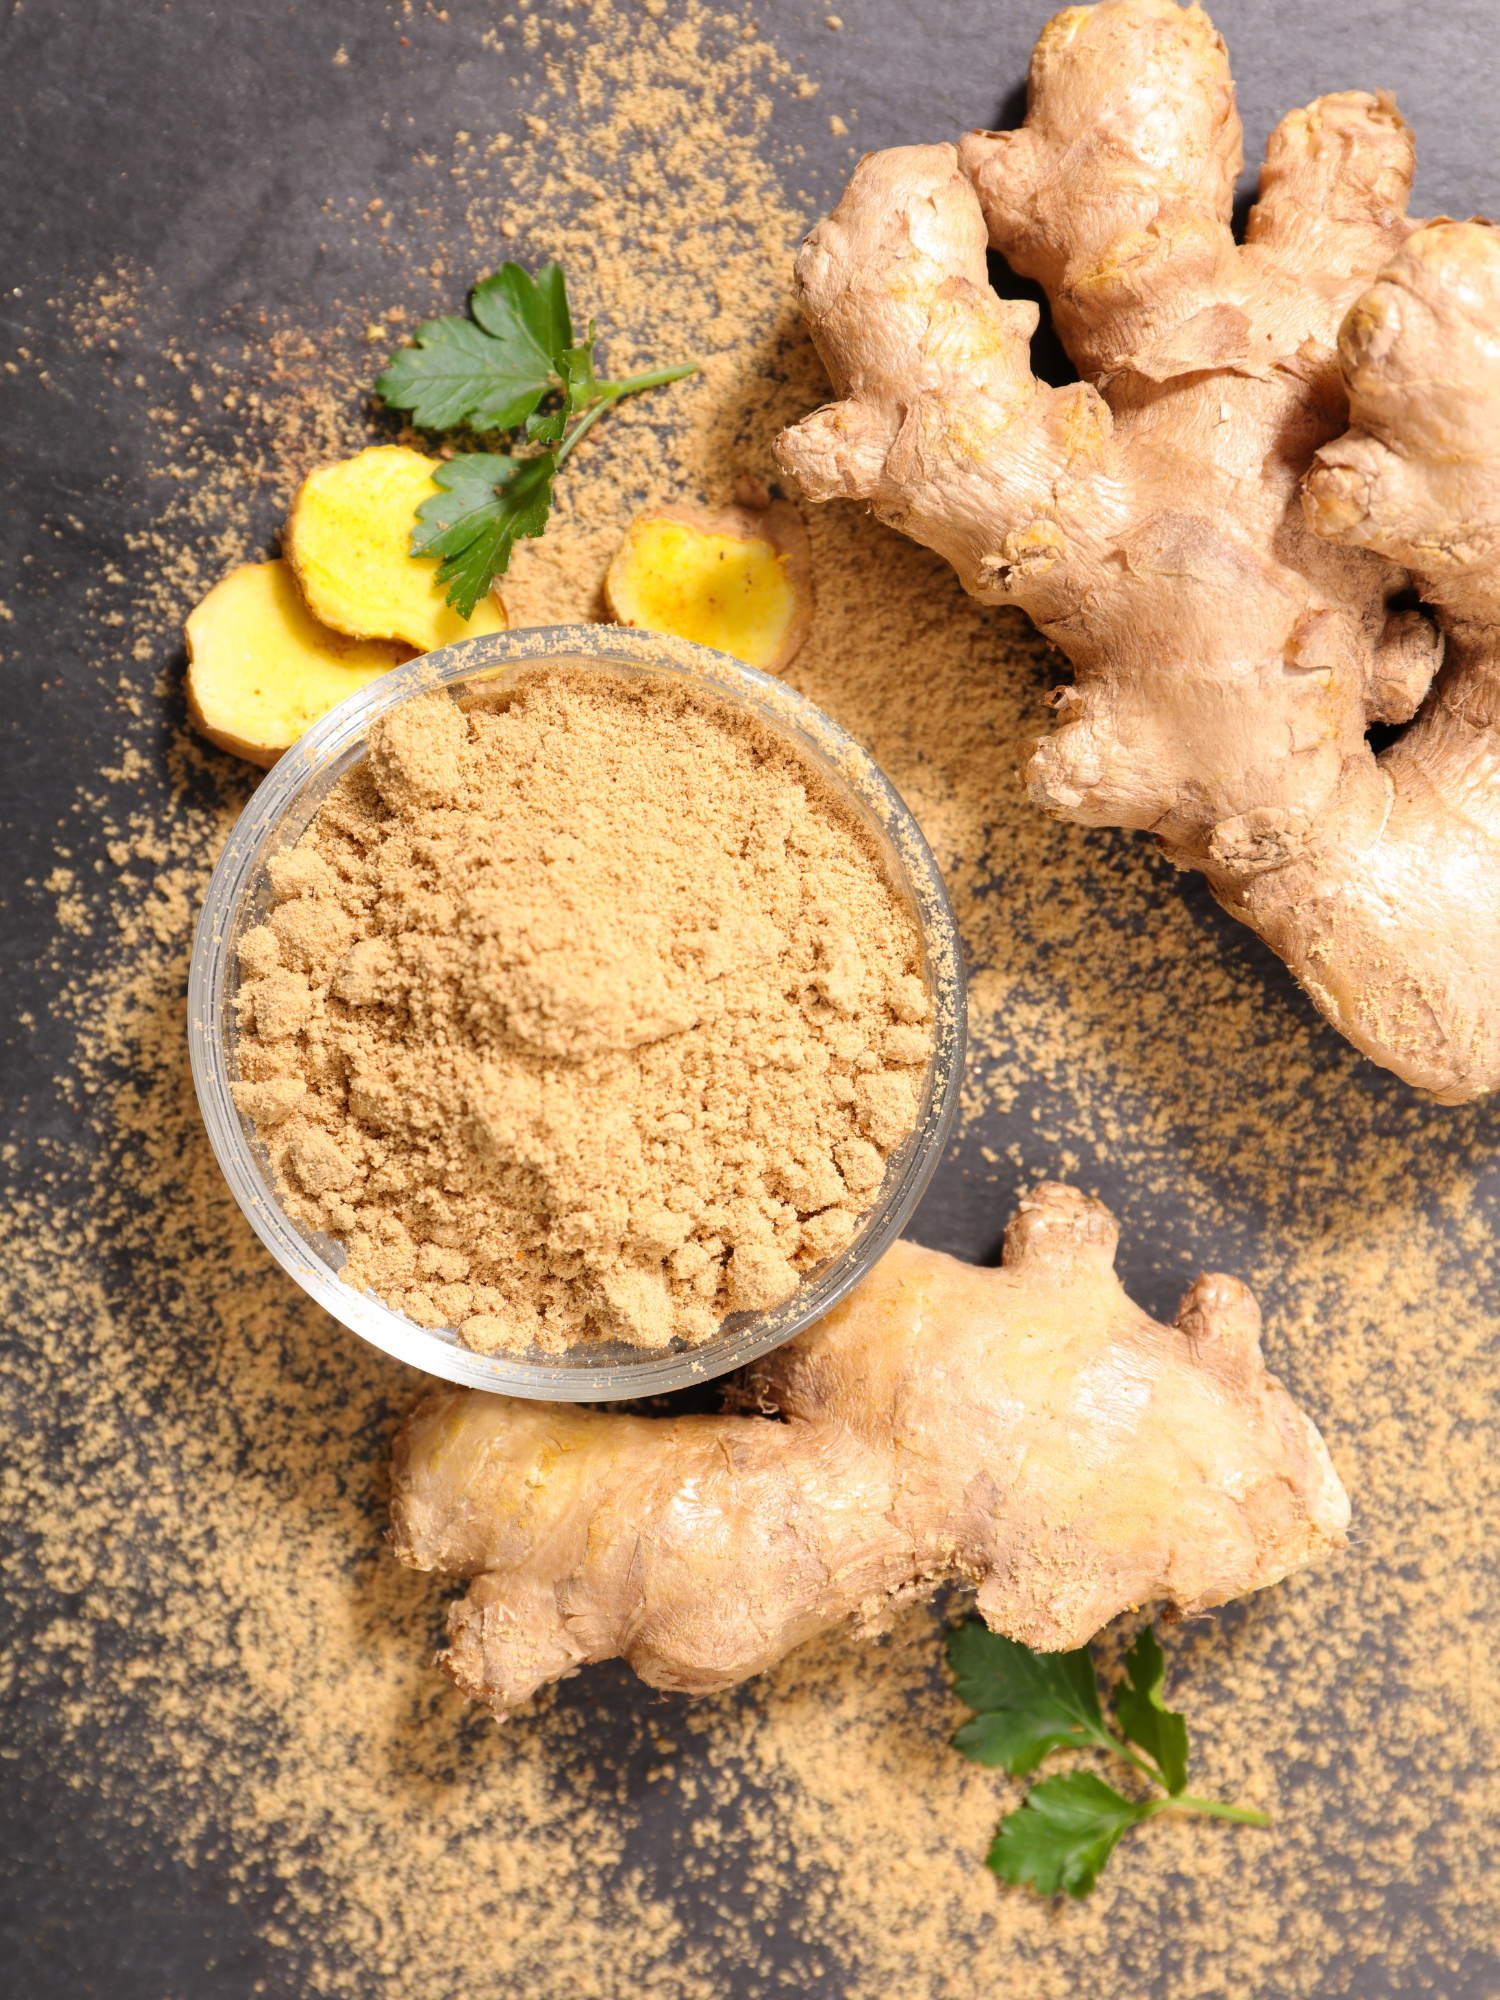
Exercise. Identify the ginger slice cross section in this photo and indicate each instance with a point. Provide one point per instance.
(348, 538)
(262, 670)
(738, 580)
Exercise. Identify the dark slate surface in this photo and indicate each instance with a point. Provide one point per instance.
(201, 141)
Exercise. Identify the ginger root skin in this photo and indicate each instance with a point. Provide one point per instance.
(1027, 1430)
(1221, 523)
(739, 580)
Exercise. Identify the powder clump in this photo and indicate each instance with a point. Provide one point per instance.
(584, 1010)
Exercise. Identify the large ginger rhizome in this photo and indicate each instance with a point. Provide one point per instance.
(1273, 451)
(1027, 1430)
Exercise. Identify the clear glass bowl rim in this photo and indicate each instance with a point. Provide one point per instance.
(287, 797)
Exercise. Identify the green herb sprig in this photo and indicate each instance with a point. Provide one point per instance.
(1028, 1704)
(492, 373)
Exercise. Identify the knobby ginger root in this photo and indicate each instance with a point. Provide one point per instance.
(1230, 577)
(348, 538)
(1027, 1430)
(738, 580)
(261, 669)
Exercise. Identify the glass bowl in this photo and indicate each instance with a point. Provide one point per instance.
(239, 898)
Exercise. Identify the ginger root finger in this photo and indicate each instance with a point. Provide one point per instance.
(739, 580)
(348, 539)
(1116, 193)
(1414, 476)
(1416, 479)
(1229, 654)
(940, 425)
(262, 670)
(1027, 1429)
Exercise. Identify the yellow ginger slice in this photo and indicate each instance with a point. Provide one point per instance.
(261, 669)
(739, 580)
(348, 537)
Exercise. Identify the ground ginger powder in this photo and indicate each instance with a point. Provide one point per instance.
(584, 1011)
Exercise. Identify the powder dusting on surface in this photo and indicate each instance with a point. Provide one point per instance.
(223, 1653)
(584, 1011)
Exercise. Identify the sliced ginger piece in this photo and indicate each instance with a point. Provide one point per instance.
(348, 539)
(739, 580)
(261, 669)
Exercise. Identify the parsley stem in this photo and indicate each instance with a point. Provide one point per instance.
(1243, 1814)
(611, 392)
(655, 380)
(1109, 1741)
(581, 430)
(1188, 1802)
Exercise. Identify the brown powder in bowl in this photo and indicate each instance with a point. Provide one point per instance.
(585, 1010)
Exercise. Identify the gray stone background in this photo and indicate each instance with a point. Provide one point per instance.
(200, 140)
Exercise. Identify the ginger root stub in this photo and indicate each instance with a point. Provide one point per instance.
(584, 1012)
(1027, 1430)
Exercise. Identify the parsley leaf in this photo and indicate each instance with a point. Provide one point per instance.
(485, 504)
(526, 312)
(576, 367)
(1063, 1834)
(1025, 1703)
(490, 374)
(1144, 1715)
(547, 428)
(1028, 1704)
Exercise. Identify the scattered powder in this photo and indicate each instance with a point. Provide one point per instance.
(217, 1658)
(585, 1011)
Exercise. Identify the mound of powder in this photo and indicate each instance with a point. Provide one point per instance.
(584, 1011)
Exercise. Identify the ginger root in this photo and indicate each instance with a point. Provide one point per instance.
(1232, 579)
(738, 580)
(348, 538)
(1025, 1429)
(261, 669)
